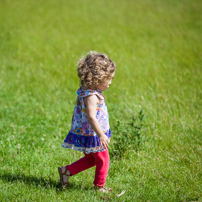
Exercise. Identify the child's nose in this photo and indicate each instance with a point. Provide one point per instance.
(110, 82)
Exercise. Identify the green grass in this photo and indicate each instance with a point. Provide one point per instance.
(157, 49)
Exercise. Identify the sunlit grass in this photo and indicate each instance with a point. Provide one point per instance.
(157, 48)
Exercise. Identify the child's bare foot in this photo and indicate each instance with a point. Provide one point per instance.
(102, 189)
(64, 176)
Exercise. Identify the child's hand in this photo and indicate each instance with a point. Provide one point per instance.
(104, 141)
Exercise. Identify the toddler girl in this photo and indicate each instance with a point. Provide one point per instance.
(90, 131)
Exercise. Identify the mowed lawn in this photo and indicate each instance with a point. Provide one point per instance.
(154, 101)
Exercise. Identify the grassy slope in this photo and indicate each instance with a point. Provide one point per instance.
(157, 48)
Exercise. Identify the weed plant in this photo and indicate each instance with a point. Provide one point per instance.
(128, 135)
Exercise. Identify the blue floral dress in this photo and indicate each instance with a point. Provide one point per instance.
(82, 137)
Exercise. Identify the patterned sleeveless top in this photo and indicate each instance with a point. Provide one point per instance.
(82, 137)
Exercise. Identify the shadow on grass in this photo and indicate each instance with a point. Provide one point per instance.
(38, 181)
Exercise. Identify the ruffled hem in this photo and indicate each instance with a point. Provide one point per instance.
(85, 144)
(83, 149)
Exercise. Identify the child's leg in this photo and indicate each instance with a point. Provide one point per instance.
(82, 164)
(102, 166)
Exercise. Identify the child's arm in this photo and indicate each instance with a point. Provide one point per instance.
(91, 106)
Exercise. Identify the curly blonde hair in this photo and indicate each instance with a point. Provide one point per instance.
(95, 69)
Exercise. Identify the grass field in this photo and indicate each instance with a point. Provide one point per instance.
(154, 102)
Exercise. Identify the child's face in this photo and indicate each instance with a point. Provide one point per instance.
(104, 86)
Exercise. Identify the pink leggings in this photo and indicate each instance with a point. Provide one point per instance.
(99, 159)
